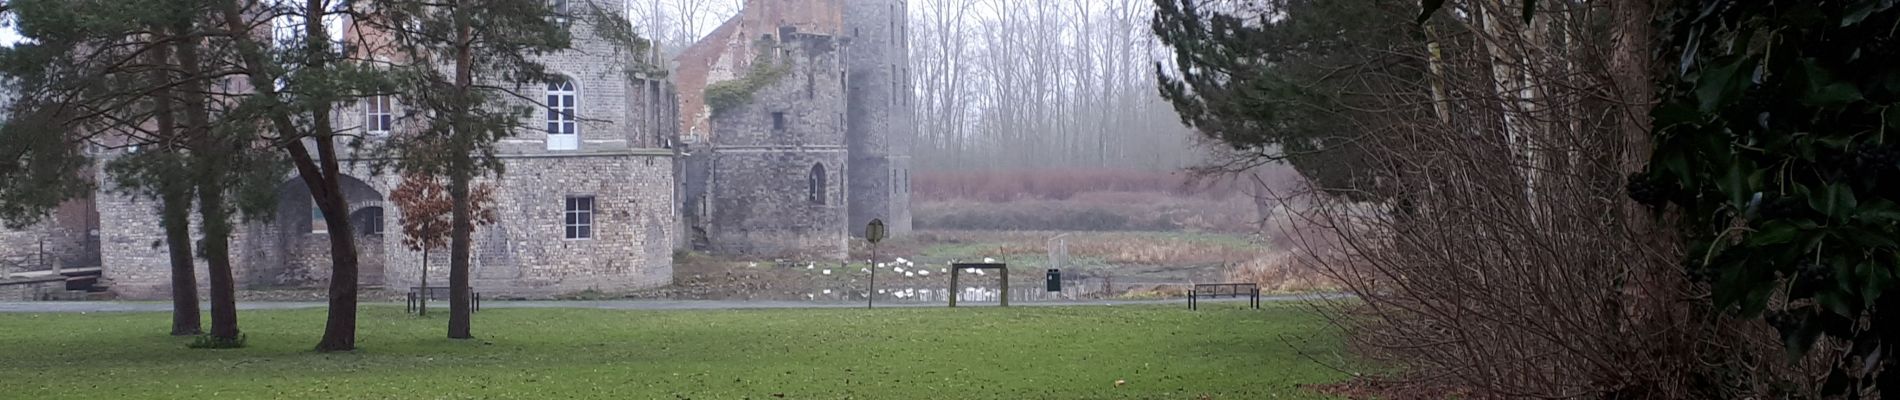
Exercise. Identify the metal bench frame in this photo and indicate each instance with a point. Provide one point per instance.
(414, 303)
(1234, 290)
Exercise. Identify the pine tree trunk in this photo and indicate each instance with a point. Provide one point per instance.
(175, 211)
(458, 259)
(177, 221)
(339, 329)
(459, 176)
(212, 166)
(217, 252)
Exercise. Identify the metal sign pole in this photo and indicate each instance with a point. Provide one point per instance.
(873, 232)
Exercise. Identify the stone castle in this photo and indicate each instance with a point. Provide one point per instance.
(806, 137)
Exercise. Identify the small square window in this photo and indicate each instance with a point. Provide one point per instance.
(578, 217)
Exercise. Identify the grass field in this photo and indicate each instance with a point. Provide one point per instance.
(1220, 352)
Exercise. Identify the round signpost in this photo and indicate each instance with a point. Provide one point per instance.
(873, 232)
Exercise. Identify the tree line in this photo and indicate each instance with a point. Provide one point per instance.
(212, 103)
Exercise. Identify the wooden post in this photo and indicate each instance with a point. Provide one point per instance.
(1005, 285)
(954, 271)
(870, 295)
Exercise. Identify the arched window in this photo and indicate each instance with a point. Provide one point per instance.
(563, 129)
(817, 182)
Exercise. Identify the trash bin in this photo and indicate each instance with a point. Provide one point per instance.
(1054, 280)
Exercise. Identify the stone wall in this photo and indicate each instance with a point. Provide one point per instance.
(526, 254)
(31, 289)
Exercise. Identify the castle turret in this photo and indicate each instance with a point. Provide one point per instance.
(880, 126)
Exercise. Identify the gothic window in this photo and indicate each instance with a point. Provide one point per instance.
(817, 183)
(563, 128)
(379, 114)
(579, 217)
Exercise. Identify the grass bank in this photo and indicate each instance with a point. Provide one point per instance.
(1223, 352)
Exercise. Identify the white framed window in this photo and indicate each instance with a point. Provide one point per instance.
(579, 217)
(379, 114)
(563, 105)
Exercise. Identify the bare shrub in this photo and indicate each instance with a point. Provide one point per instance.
(1504, 259)
(1282, 272)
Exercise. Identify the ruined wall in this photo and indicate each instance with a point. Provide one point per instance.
(61, 239)
(758, 198)
(881, 125)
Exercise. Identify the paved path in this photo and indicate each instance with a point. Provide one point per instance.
(125, 306)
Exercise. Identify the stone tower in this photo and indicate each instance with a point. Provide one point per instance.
(768, 176)
(880, 124)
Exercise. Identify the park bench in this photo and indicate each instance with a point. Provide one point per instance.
(416, 294)
(1232, 290)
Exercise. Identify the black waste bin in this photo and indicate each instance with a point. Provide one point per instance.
(1055, 280)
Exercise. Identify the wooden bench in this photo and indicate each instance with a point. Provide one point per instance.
(1232, 290)
(416, 294)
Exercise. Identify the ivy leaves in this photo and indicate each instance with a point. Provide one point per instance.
(1772, 143)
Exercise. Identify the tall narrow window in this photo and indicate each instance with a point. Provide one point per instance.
(379, 114)
(579, 217)
(817, 183)
(560, 11)
(778, 120)
(317, 223)
(563, 130)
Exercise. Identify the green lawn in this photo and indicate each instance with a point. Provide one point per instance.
(1224, 352)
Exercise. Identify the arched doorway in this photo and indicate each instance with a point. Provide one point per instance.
(298, 249)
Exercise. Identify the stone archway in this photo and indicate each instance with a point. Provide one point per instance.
(298, 245)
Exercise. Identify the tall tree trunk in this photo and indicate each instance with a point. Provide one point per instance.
(321, 175)
(175, 212)
(176, 216)
(212, 166)
(458, 259)
(339, 329)
(458, 183)
(217, 253)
